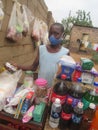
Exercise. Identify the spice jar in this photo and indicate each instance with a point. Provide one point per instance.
(41, 88)
(28, 79)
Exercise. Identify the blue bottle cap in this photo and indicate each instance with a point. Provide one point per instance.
(96, 84)
(79, 80)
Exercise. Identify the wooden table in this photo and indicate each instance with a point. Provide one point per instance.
(6, 118)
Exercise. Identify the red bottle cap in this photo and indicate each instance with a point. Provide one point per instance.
(63, 76)
(29, 95)
(69, 100)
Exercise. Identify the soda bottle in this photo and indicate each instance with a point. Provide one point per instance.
(55, 113)
(66, 114)
(88, 117)
(94, 124)
(77, 116)
(91, 96)
(60, 90)
(76, 92)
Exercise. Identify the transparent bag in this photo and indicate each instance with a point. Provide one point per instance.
(15, 26)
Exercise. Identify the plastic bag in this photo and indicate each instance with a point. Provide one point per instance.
(1, 13)
(15, 26)
(8, 84)
(27, 19)
(43, 32)
(36, 30)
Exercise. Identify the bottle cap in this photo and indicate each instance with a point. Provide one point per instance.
(69, 100)
(79, 79)
(29, 95)
(92, 106)
(57, 100)
(80, 105)
(96, 84)
(41, 82)
(63, 76)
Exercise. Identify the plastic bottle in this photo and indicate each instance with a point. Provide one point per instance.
(55, 113)
(94, 125)
(60, 90)
(76, 92)
(77, 116)
(27, 102)
(66, 114)
(88, 117)
(28, 79)
(91, 97)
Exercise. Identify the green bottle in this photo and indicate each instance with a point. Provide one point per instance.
(91, 97)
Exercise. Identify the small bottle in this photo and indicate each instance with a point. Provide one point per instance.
(55, 113)
(27, 102)
(77, 116)
(66, 114)
(88, 117)
(28, 79)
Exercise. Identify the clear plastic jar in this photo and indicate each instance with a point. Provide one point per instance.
(41, 88)
(28, 79)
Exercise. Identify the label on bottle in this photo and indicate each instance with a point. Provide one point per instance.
(66, 116)
(86, 103)
(55, 114)
(74, 100)
(55, 120)
(62, 98)
(76, 119)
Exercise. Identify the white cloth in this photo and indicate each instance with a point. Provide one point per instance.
(48, 63)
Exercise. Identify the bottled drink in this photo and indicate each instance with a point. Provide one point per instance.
(66, 114)
(94, 124)
(88, 117)
(91, 97)
(77, 116)
(76, 92)
(55, 113)
(28, 79)
(27, 102)
(60, 91)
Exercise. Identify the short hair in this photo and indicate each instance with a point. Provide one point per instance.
(58, 24)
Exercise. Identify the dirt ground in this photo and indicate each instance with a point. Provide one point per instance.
(76, 56)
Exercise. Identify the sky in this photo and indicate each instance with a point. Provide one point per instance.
(61, 8)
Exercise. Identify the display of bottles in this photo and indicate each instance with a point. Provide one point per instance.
(66, 114)
(55, 113)
(28, 79)
(60, 90)
(94, 124)
(77, 116)
(88, 117)
(27, 102)
(76, 92)
(91, 97)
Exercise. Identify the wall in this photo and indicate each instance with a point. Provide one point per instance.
(23, 51)
(78, 31)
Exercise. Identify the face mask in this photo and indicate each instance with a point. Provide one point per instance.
(54, 41)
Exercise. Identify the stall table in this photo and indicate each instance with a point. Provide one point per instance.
(6, 118)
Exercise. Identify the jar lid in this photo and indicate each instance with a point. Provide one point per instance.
(41, 82)
(92, 106)
(29, 72)
(80, 104)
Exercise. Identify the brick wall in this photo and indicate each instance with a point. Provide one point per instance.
(78, 31)
(21, 52)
